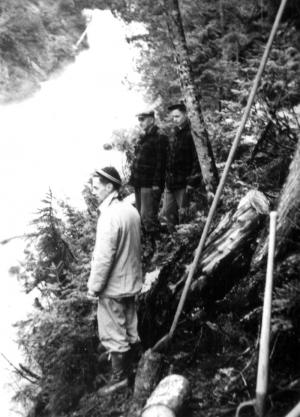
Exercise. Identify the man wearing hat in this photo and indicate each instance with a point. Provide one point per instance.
(116, 274)
(148, 170)
(183, 169)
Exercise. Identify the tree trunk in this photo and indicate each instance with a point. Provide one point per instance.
(289, 206)
(288, 219)
(191, 97)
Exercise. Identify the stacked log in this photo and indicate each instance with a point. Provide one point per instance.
(168, 398)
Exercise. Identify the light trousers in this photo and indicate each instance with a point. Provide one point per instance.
(117, 323)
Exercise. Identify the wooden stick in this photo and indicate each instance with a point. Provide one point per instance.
(264, 348)
(295, 412)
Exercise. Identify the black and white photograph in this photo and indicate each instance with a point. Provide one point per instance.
(150, 208)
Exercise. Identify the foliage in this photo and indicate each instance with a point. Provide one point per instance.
(59, 338)
(225, 40)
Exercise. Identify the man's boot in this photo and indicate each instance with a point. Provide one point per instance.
(119, 377)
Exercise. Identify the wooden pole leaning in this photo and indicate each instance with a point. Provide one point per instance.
(165, 340)
(295, 412)
(264, 346)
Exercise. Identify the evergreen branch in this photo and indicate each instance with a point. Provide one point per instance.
(29, 372)
(26, 235)
(17, 370)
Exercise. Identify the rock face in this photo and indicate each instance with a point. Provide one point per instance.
(36, 39)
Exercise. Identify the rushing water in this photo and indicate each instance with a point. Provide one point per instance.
(55, 139)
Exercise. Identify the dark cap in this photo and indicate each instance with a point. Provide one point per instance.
(177, 106)
(145, 114)
(110, 173)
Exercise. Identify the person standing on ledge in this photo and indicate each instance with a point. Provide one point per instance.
(116, 275)
(183, 171)
(148, 171)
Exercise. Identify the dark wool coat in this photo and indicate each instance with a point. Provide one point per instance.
(182, 163)
(149, 163)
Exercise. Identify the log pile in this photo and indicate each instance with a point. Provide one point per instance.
(168, 398)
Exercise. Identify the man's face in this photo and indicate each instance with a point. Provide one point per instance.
(100, 191)
(178, 117)
(145, 122)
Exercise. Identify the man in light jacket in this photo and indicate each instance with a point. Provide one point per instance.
(116, 274)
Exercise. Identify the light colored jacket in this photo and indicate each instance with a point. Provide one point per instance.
(116, 269)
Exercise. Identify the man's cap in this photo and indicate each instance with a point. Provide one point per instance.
(110, 173)
(177, 106)
(145, 114)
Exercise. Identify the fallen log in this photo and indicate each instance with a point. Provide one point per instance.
(227, 255)
(168, 398)
(288, 209)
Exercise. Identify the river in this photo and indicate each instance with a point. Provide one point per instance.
(55, 139)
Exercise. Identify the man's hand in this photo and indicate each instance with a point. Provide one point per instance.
(91, 295)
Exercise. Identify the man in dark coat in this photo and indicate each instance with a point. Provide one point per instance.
(148, 170)
(183, 170)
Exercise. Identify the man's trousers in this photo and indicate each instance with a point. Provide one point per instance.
(147, 203)
(117, 323)
(173, 202)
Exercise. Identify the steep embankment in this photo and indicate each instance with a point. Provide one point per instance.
(36, 39)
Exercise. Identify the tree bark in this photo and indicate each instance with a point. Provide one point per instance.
(289, 205)
(288, 219)
(191, 97)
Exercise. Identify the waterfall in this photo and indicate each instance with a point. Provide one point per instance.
(55, 139)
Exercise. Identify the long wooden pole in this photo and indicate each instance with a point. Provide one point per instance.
(264, 346)
(161, 343)
(295, 412)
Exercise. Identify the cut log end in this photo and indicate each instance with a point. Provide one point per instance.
(168, 398)
(158, 410)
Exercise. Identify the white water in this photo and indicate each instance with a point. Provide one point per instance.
(55, 139)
